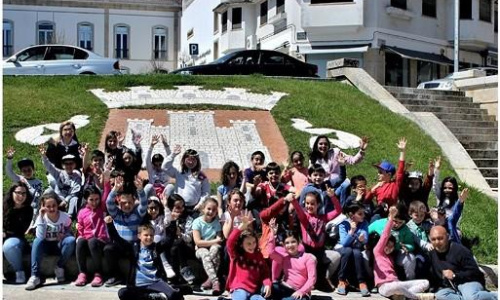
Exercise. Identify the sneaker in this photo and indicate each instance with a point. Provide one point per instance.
(425, 296)
(216, 290)
(157, 296)
(363, 289)
(97, 281)
(20, 277)
(342, 288)
(33, 283)
(112, 281)
(188, 275)
(59, 272)
(169, 271)
(81, 280)
(207, 284)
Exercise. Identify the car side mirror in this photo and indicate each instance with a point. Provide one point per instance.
(12, 59)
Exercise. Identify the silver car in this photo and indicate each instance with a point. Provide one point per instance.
(448, 83)
(59, 60)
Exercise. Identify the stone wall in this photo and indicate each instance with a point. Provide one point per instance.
(483, 90)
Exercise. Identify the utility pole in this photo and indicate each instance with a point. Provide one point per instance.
(456, 36)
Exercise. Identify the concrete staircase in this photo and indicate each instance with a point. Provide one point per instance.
(473, 127)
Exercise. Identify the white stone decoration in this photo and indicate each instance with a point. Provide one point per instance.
(187, 94)
(197, 130)
(344, 140)
(34, 135)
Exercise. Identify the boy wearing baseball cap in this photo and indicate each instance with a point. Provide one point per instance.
(386, 190)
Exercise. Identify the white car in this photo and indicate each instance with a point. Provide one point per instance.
(448, 83)
(59, 60)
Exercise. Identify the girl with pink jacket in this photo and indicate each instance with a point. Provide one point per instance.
(92, 236)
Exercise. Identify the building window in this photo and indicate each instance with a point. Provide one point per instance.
(398, 3)
(263, 13)
(429, 8)
(280, 6)
(224, 21)
(327, 1)
(122, 41)
(190, 33)
(216, 22)
(485, 10)
(160, 42)
(7, 38)
(236, 18)
(85, 36)
(466, 9)
(45, 33)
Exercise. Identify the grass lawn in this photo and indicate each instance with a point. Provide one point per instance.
(30, 101)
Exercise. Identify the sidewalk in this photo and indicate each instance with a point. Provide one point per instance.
(52, 291)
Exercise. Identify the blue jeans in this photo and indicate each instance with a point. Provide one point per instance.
(64, 248)
(13, 251)
(342, 189)
(240, 294)
(349, 258)
(469, 291)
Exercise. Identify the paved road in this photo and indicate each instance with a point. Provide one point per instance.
(54, 291)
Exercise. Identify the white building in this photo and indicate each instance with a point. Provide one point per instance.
(142, 33)
(399, 42)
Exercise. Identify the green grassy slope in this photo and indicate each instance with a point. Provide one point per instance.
(30, 101)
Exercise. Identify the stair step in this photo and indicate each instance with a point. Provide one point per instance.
(492, 182)
(466, 117)
(486, 163)
(480, 145)
(489, 172)
(467, 123)
(482, 154)
(444, 109)
(438, 103)
(477, 137)
(451, 99)
(473, 130)
(397, 89)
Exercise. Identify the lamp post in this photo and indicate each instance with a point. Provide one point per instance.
(456, 36)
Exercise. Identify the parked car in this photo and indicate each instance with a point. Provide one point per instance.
(447, 83)
(59, 60)
(245, 62)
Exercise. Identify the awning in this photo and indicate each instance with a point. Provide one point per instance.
(309, 50)
(412, 54)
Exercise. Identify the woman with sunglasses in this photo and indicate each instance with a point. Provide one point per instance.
(17, 215)
(190, 182)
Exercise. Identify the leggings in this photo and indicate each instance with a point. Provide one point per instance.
(210, 257)
(94, 247)
(409, 288)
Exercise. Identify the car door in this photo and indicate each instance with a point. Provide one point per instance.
(244, 63)
(59, 60)
(273, 64)
(26, 62)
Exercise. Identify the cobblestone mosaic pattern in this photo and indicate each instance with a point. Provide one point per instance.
(197, 130)
(144, 95)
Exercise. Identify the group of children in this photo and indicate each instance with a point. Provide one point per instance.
(267, 233)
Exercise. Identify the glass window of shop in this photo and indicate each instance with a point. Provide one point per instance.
(397, 70)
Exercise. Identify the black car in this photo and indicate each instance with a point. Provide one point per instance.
(266, 62)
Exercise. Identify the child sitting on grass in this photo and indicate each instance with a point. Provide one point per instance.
(386, 191)
(126, 218)
(385, 276)
(299, 268)
(27, 169)
(145, 279)
(92, 236)
(249, 276)
(53, 234)
(207, 235)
